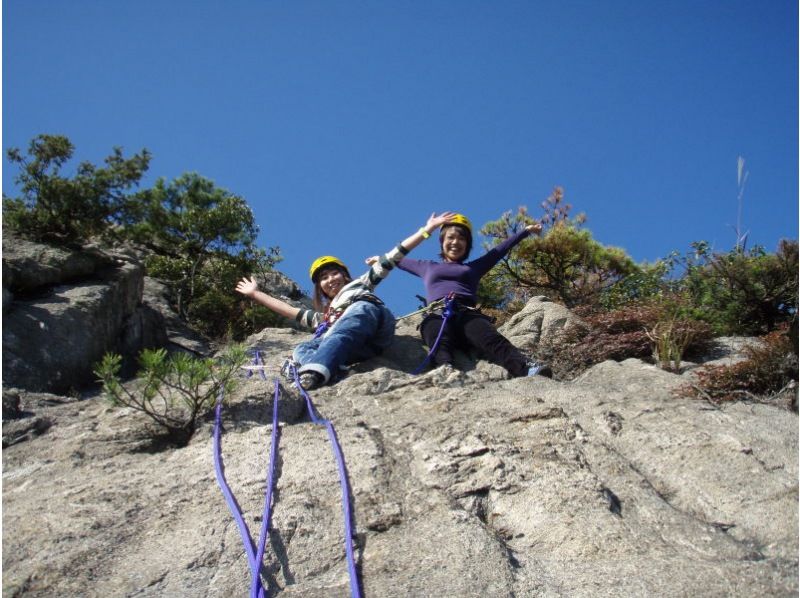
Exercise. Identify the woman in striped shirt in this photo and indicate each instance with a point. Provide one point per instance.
(351, 323)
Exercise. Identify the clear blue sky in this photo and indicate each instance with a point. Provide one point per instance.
(345, 123)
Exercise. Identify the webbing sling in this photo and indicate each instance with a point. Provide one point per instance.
(446, 313)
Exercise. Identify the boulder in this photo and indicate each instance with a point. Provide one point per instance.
(63, 309)
(540, 319)
(178, 335)
(51, 343)
(29, 266)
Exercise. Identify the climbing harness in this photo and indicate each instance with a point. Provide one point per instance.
(446, 313)
(255, 554)
(331, 316)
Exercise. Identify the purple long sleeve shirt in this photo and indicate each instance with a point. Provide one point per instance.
(442, 278)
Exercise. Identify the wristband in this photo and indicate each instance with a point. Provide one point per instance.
(425, 234)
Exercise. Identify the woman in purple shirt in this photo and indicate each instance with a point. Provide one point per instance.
(467, 328)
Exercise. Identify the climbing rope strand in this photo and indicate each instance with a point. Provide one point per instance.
(446, 313)
(255, 554)
(260, 362)
(244, 532)
(256, 589)
(346, 508)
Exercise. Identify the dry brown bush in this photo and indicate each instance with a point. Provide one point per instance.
(768, 371)
(618, 335)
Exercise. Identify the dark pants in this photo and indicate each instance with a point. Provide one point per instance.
(472, 330)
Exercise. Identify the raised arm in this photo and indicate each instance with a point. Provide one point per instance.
(484, 263)
(423, 233)
(249, 288)
(431, 225)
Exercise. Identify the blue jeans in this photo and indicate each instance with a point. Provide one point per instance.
(363, 331)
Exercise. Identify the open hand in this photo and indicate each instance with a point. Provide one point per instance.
(534, 228)
(371, 260)
(435, 221)
(247, 287)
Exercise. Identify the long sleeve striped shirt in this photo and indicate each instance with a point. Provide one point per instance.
(359, 289)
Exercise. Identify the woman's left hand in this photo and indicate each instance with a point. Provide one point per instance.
(534, 228)
(371, 260)
(435, 221)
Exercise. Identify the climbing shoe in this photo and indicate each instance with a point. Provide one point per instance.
(538, 368)
(311, 380)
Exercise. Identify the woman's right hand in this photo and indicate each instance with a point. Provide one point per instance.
(247, 287)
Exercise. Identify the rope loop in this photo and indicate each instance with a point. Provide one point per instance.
(255, 553)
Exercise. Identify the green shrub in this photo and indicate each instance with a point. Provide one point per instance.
(196, 237)
(68, 210)
(645, 282)
(173, 390)
(745, 293)
(672, 336)
(202, 240)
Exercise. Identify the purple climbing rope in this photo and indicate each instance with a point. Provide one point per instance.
(244, 532)
(256, 589)
(446, 313)
(355, 591)
(254, 555)
(321, 329)
(257, 361)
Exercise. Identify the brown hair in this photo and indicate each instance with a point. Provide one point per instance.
(319, 299)
(464, 230)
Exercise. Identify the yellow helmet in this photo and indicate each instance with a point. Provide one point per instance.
(461, 220)
(325, 260)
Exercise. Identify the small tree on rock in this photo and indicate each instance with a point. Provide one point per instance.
(172, 390)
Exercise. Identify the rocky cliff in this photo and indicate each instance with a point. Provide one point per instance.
(63, 309)
(462, 484)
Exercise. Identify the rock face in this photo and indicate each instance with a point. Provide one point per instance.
(462, 484)
(62, 310)
(155, 295)
(29, 266)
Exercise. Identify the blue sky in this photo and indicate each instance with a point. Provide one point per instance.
(345, 123)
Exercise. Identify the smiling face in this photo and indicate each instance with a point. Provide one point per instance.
(455, 244)
(331, 280)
